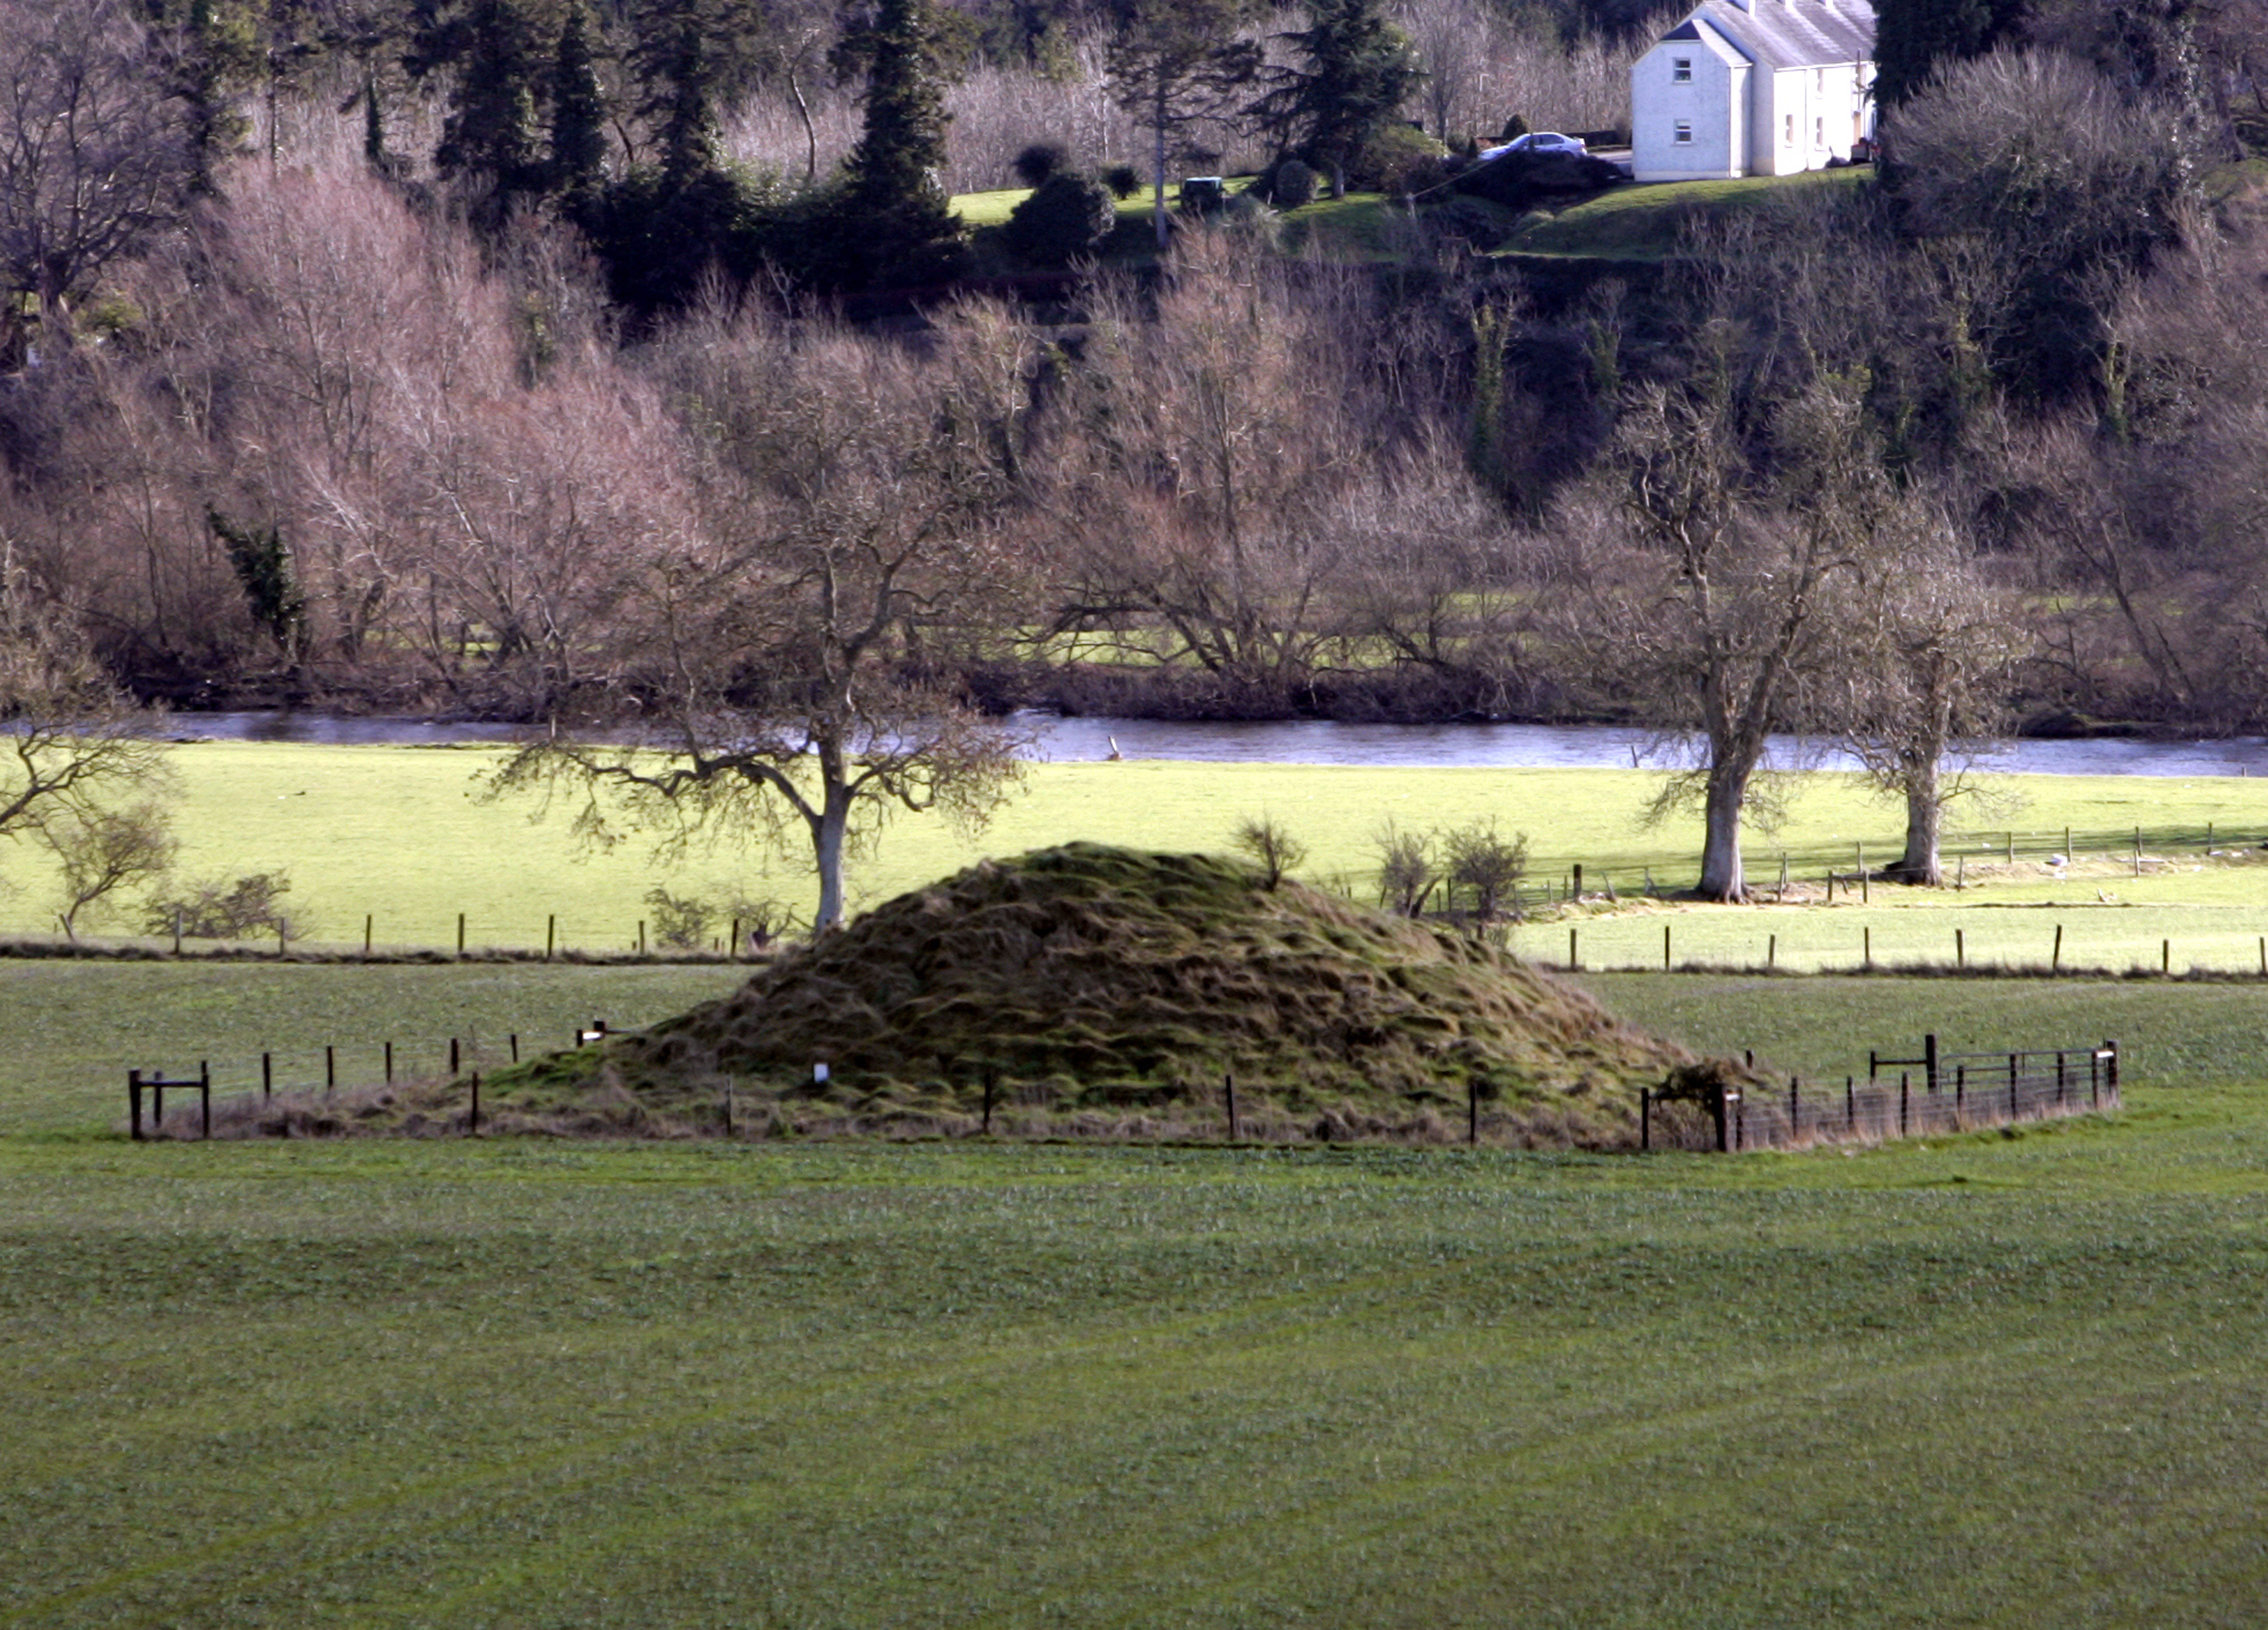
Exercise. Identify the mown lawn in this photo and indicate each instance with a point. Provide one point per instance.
(1993, 1381)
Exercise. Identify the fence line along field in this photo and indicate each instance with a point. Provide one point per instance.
(398, 839)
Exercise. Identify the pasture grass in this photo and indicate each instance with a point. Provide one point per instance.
(1643, 222)
(71, 1031)
(1991, 1381)
(400, 836)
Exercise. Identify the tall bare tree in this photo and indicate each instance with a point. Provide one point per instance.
(773, 669)
(93, 151)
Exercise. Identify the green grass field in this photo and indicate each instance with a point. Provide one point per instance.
(399, 836)
(1642, 223)
(1990, 1381)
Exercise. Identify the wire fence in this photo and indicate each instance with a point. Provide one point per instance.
(1933, 1093)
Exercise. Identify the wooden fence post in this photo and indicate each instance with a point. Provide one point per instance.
(267, 1076)
(461, 933)
(1868, 934)
(330, 1067)
(1472, 1111)
(2055, 963)
(1795, 1107)
(515, 1049)
(472, 1124)
(1228, 1091)
(1902, 1103)
(204, 1097)
(550, 935)
(177, 931)
(1772, 951)
(389, 1064)
(641, 936)
(1850, 1104)
(453, 1060)
(1960, 948)
(1574, 961)
(728, 1106)
(369, 922)
(991, 1077)
(2165, 957)
(134, 1104)
(1644, 1118)
(1665, 947)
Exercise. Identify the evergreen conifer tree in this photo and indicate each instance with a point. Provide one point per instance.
(893, 200)
(1913, 37)
(579, 112)
(1355, 71)
(499, 54)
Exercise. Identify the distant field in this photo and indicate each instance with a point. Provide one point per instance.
(399, 835)
(1987, 1381)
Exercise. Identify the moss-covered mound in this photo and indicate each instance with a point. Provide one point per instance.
(1098, 981)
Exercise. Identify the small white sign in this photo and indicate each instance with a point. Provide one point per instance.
(819, 1072)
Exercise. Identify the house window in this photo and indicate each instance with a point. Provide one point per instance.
(1819, 132)
(1685, 131)
(1819, 80)
(1680, 70)
(1787, 132)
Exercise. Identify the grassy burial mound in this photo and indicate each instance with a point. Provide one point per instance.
(1104, 991)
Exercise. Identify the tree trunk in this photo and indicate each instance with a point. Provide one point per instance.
(810, 133)
(1925, 809)
(1157, 205)
(826, 853)
(1721, 877)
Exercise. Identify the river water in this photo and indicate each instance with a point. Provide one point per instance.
(1321, 741)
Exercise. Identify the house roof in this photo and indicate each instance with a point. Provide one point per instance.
(1691, 32)
(1787, 34)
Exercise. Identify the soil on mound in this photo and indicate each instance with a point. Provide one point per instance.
(1099, 980)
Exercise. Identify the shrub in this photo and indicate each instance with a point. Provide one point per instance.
(235, 909)
(1468, 220)
(1123, 179)
(1479, 860)
(691, 923)
(1398, 160)
(1067, 216)
(1406, 870)
(680, 922)
(1039, 161)
(1273, 849)
(1292, 185)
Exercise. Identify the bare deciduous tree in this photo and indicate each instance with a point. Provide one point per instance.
(101, 853)
(775, 661)
(91, 151)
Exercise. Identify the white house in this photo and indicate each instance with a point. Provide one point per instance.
(1754, 87)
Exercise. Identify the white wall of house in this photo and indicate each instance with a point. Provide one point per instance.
(1688, 113)
(1713, 106)
(1806, 116)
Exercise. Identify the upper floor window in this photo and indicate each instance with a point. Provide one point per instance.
(1680, 69)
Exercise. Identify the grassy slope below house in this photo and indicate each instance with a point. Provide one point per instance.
(1993, 1381)
(1642, 222)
